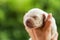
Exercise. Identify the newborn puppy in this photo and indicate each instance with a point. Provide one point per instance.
(35, 18)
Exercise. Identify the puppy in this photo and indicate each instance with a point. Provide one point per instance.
(34, 19)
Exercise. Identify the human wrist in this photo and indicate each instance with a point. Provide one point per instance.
(40, 38)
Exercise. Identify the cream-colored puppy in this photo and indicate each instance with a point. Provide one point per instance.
(35, 19)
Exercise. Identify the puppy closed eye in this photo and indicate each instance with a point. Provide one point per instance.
(34, 17)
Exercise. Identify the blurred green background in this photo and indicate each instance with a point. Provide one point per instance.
(12, 12)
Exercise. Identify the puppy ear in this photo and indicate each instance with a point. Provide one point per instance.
(44, 17)
(48, 23)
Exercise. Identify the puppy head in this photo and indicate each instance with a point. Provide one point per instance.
(33, 20)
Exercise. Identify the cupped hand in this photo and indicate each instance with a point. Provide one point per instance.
(42, 33)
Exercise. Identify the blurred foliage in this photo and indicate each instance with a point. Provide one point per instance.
(12, 12)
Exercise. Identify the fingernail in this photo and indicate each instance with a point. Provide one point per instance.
(50, 14)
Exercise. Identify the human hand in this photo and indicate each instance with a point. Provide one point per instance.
(42, 33)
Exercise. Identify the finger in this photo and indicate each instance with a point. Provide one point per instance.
(55, 37)
(48, 22)
(32, 33)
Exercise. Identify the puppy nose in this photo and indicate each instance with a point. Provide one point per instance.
(29, 23)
